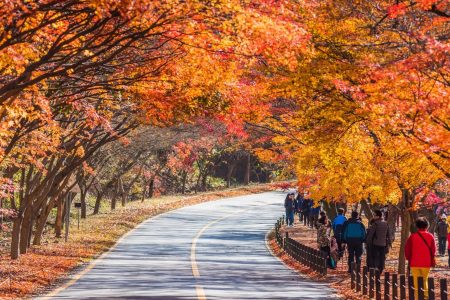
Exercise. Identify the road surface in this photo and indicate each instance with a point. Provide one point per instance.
(214, 250)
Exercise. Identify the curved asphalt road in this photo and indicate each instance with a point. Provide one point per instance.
(214, 250)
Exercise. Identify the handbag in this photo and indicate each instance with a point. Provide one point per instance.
(433, 258)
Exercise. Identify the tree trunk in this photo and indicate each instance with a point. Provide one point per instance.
(151, 188)
(15, 236)
(122, 193)
(41, 222)
(365, 207)
(231, 168)
(393, 213)
(98, 201)
(183, 182)
(204, 180)
(83, 212)
(247, 169)
(330, 209)
(406, 223)
(59, 218)
(113, 201)
(405, 232)
(25, 231)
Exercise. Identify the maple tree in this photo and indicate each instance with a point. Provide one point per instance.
(78, 75)
(365, 112)
(350, 96)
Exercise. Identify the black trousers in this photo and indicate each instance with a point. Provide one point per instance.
(442, 244)
(378, 254)
(355, 251)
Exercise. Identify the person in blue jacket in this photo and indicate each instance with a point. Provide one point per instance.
(338, 229)
(354, 234)
(290, 205)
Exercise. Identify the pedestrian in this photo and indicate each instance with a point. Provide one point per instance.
(378, 241)
(448, 248)
(353, 235)
(369, 238)
(338, 226)
(290, 205)
(314, 215)
(306, 205)
(300, 200)
(442, 230)
(324, 238)
(420, 251)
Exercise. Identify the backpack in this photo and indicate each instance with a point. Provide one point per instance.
(354, 231)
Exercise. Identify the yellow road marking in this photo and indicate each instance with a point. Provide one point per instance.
(194, 266)
(195, 271)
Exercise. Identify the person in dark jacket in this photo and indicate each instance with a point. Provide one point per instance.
(448, 246)
(300, 200)
(442, 230)
(338, 226)
(378, 241)
(369, 238)
(290, 204)
(314, 213)
(353, 235)
(306, 206)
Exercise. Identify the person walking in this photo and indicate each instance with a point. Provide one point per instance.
(353, 235)
(369, 238)
(338, 226)
(442, 231)
(314, 214)
(448, 248)
(324, 239)
(300, 200)
(378, 241)
(306, 206)
(420, 251)
(290, 205)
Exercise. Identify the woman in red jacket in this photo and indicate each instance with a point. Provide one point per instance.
(420, 252)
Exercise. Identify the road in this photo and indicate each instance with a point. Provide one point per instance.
(214, 250)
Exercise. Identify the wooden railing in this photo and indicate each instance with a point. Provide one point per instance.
(315, 259)
(370, 283)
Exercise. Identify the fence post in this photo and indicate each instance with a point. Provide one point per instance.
(431, 293)
(410, 288)
(324, 264)
(377, 284)
(371, 283)
(364, 280)
(387, 283)
(358, 280)
(402, 287)
(352, 275)
(444, 289)
(420, 290)
(394, 287)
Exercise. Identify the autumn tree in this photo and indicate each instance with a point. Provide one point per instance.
(368, 115)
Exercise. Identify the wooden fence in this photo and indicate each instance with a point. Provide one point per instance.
(315, 259)
(370, 283)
